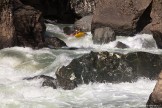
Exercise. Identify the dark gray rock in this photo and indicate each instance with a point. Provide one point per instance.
(54, 83)
(68, 30)
(158, 38)
(84, 24)
(66, 84)
(103, 35)
(54, 42)
(121, 45)
(110, 67)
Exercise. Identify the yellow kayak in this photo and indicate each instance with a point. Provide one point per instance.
(80, 34)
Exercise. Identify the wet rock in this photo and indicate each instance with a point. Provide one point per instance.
(121, 45)
(54, 83)
(155, 99)
(29, 26)
(66, 84)
(110, 67)
(54, 42)
(7, 29)
(103, 35)
(83, 7)
(47, 81)
(84, 24)
(124, 17)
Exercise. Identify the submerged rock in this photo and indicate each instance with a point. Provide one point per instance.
(47, 80)
(110, 67)
(155, 99)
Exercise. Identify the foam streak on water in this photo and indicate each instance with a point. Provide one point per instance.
(17, 63)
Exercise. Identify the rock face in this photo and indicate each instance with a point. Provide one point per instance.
(7, 30)
(155, 99)
(110, 67)
(156, 15)
(29, 26)
(83, 7)
(124, 17)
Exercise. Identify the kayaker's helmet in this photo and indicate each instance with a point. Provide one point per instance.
(77, 31)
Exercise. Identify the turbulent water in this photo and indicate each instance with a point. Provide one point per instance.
(17, 63)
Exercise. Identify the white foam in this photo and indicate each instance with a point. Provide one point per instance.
(103, 95)
(17, 63)
(139, 41)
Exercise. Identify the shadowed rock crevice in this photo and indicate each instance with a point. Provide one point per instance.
(145, 19)
(59, 10)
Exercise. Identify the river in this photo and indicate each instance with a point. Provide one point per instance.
(17, 63)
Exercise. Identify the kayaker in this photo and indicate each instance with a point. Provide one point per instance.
(78, 33)
(70, 32)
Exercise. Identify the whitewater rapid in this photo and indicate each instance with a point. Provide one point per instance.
(17, 63)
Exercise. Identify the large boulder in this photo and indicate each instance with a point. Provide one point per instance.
(124, 17)
(29, 26)
(156, 15)
(155, 99)
(7, 29)
(110, 67)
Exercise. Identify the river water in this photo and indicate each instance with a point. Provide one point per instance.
(17, 63)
